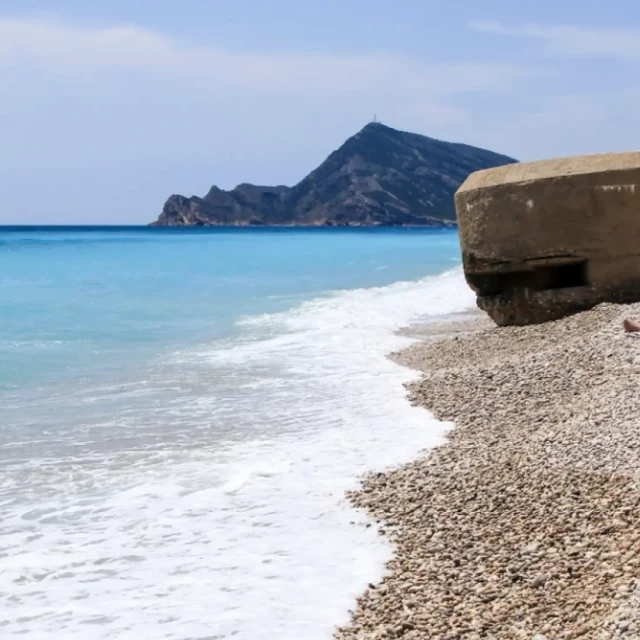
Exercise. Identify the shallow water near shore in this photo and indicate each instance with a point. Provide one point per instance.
(182, 413)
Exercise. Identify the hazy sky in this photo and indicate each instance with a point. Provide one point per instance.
(109, 106)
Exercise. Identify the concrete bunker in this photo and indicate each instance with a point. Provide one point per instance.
(541, 240)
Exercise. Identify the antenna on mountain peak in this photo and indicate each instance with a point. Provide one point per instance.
(375, 117)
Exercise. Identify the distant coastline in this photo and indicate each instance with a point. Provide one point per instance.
(221, 227)
(378, 177)
(441, 224)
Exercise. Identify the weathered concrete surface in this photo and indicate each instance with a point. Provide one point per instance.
(544, 239)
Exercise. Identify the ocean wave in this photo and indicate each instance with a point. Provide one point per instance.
(238, 526)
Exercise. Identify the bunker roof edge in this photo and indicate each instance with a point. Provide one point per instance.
(551, 168)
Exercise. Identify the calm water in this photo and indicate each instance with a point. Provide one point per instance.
(182, 411)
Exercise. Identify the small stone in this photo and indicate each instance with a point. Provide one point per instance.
(539, 580)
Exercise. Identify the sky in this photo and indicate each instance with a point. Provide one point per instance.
(108, 107)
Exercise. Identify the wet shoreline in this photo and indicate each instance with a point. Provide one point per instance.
(527, 521)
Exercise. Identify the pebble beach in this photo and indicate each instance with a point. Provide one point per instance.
(525, 524)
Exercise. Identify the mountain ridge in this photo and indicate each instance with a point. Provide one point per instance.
(379, 177)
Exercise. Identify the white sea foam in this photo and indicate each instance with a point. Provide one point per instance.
(224, 516)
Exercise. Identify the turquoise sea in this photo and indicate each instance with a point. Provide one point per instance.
(182, 411)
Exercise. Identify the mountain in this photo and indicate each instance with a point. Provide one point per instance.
(380, 176)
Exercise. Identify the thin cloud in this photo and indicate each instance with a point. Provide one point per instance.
(70, 49)
(571, 41)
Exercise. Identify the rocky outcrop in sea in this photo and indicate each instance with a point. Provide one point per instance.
(380, 176)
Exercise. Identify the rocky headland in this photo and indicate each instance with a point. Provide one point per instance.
(380, 176)
(526, 523)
